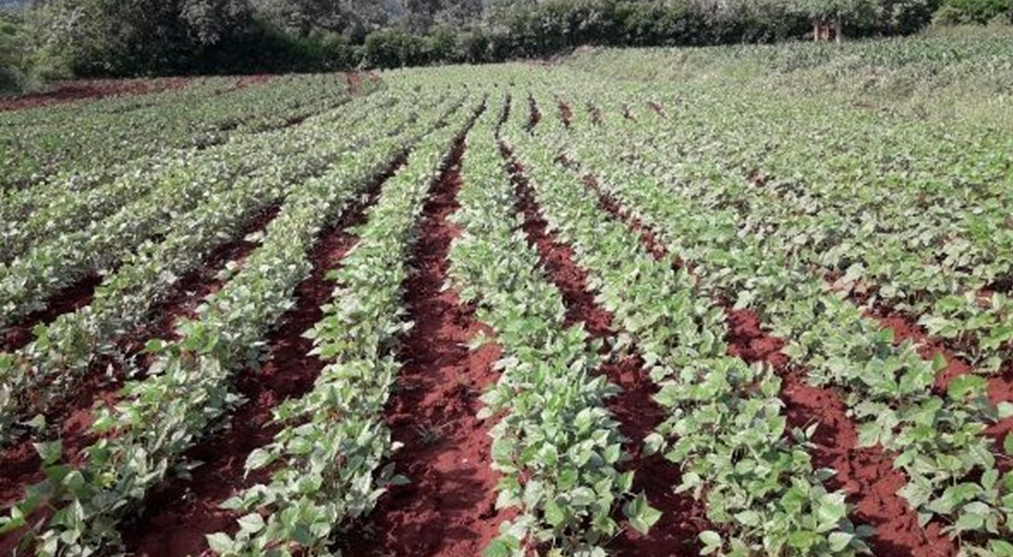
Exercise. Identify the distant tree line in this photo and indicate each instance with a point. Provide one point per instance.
(87, 38)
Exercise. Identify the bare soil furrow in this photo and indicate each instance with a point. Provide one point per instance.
(73, 297)
(683, 518)
(448, 509)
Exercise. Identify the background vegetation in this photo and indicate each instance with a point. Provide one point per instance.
(57, 39)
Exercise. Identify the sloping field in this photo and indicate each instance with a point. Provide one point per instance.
(636, 303)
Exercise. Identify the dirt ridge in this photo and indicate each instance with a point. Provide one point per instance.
(448, 509)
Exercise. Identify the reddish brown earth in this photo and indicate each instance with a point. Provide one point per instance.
(566, 113)
(71, 298)
(77, 90)
(354, 80)
(249, 80)
(448, 509)
(179, 516)
(534, 115)
(198, 284)
(866, 474)
(655, 106)
(683, 518)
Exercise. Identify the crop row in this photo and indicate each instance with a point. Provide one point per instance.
(556, 445)
(909, 214)
(65, 349)
(89, 247)
(102, 140)
(727, 429)
(188, 390)
(327, 463)
(42, 213)
(939, 440)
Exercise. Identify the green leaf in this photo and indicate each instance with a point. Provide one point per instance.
(710, 538)
(554, 514)
(49, 452)
(642, 516)
(748, 518)
(964, 385)
(252, 523)
(498, 548)
(1004, 410)
(258, 459)
(1008, 444)
(831, 510)
(220, 543)
(840, 540)
(1001, 548)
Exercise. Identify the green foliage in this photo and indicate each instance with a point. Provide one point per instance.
(12, 52)
(955, 12)
(394, 48)
(114, 37)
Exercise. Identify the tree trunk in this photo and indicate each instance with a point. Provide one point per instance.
(838, 30)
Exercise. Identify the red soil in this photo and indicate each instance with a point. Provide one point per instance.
(104, 379)
(683, 518)
(198, 284)
(76, 90)
(866, 474)
(69, 299)
(354, 81)
(566, 113)
(178, 517)
(448, 509)
(249, 80)
(655, 106)
(534, 115)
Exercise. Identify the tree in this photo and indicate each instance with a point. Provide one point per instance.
(304, 17)
(125, 37)
(208, 22)
(459, 12)
(830, 16)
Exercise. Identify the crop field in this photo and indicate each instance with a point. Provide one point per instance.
(740, 301)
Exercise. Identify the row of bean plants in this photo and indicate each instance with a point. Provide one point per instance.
(727, 429)
(63, 350)
(557, 447)
(188, 391)
(938, 439)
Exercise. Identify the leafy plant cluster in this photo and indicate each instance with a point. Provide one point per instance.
(119, 129)
(328, 461)
(65, 349)
(727, 429)
(188, 390)
(556, 445)
(142, 207)
(939, 440)
(75, 199)
(902, 217)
